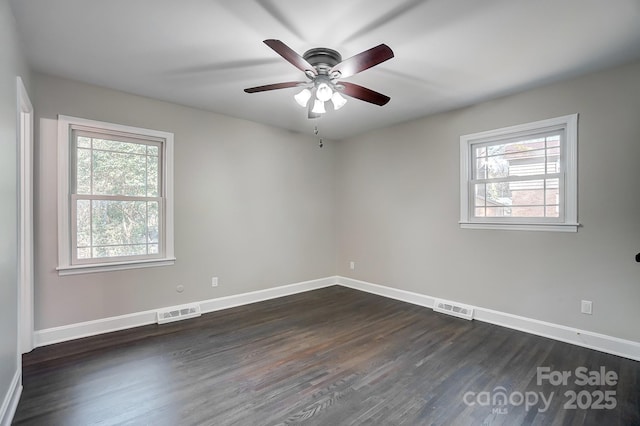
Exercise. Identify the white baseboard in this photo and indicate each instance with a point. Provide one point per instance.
(262, 295)
(49, 336)
(587, 339)
(65, 333)
(11, 399)
(600, 342)
(392, 293)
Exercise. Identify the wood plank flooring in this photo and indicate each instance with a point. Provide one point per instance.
(333, 356)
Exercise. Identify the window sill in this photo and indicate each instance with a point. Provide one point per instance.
(553, 227)
(115, 266)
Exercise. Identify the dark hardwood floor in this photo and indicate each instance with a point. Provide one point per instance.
(334, 356)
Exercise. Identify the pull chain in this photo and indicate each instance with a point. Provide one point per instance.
(320, 143)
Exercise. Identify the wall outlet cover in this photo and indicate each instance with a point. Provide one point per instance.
(586, 307)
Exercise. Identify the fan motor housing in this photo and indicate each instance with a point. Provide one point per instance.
(322, 59)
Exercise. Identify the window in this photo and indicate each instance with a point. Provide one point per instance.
(522, 177)
(115, 196)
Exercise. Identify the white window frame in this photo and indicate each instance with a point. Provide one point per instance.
(66, 226)
(568, 221)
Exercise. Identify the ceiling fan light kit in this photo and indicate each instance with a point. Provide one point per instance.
(324, 67)
(338, 100)
(318, 107)
(303, 97)
(323, 92)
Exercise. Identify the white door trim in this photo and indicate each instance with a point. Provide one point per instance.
(25, 218)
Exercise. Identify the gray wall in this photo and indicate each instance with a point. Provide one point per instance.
(260, 207)
(398, 208)
(11, 65)
(254, 206)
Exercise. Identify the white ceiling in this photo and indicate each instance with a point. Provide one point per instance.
(448, 53)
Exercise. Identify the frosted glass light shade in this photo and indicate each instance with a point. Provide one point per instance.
(338, 100)
(324, 92)
(303, 97)
(318, 107)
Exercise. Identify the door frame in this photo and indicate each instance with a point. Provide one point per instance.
(25, 219)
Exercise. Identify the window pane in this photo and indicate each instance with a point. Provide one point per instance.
(84, 253)
(553, 160)
(152, 176)
(83, 223)
(526, 148)
(124, 147)
(480, 191)
(119, 174)
(527, 211)
(526, 166)
(553, 141)
(83, 171)
(553, 198)
(107, 228)
(492, 194)
(497, 167)
(515, 163)
(504, 211)
(527, 198)
(481, 168)
(121, 250)
(153, 150)
(526, 157)
(498, 194)
(153, 221)
(119, 223)
(495, 196)
(553, 211)
(83, 142)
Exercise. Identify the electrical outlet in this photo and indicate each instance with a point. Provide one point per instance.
(352, 265)
(586, 307)
(214, 282)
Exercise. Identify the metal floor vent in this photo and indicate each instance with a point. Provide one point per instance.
(177, 313)
(452, 308)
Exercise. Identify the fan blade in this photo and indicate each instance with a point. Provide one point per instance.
(363, 61)
(274, 86)
(364, 94)
(290, 55)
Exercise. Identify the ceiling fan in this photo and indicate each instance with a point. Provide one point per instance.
(324, 67)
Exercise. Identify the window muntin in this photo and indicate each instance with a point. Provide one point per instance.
(521, 177)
